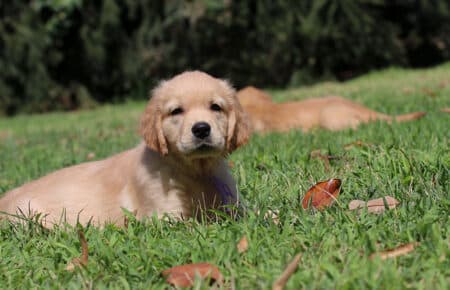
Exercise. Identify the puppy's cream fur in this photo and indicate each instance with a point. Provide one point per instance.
(332, 113)
(171, 172)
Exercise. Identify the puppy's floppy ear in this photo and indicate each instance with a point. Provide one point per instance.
(151, 127)
(239, 127)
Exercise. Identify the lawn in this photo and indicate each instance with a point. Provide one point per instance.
(409, 161)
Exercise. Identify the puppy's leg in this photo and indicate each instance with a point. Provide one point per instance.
(340, 114)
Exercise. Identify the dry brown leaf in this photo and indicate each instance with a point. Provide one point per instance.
(231, 164)
(184, 275)
(356, 203)
(126, 219)
(280, 283)
(242, 245)
(357, 143)
(429, 92)
(82, 261)
(325, 158)
(443, 84)
(273, 215)
(322, 194)
(445, 110)
(90, 156)
(399, 251)
(270, 215)
(374, 205)
(407, 90)
(4, 134)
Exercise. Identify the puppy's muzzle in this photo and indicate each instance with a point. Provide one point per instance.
(201, 130)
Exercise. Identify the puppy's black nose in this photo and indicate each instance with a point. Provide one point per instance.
(201, 130)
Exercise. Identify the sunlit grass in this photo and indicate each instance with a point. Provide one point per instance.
(409, 161)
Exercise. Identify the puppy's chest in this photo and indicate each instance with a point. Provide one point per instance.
(196, 193)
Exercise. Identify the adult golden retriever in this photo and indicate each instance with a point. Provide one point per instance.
(189, 126)
(332, 113)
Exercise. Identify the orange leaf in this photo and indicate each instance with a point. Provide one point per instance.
(399, 251)
(184, 275)
(323, 194)
(242, 246)
(445, 110)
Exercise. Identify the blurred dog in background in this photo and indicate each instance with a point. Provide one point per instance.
(331, 113)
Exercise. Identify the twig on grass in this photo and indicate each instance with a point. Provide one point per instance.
(399, 251)
(82, 261)
(280, 283)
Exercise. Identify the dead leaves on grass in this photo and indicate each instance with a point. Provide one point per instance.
(378, 205)
(322, 194)
(184, 275)
(270, 215)
(317, 154)
(357, 143)
(81, 261)
(126, 218)
(398, 251)
(90, 156)
(242, 245)
(280, 283)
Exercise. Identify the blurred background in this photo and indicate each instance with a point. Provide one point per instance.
(71, 54)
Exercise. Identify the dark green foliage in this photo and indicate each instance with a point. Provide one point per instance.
(69, 54)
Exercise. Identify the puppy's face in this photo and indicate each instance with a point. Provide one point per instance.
(195, 122)
(195, 115)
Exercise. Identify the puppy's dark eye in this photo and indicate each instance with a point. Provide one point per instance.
(216, 108)
(176, 111)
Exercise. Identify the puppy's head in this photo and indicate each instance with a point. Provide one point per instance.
(251, 96)
(195, 115)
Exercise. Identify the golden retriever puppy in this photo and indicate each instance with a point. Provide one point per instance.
(189, 126)
(332, 113)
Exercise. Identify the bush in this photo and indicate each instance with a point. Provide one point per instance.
(66, 54)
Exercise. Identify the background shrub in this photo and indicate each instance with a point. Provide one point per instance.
(66, 54)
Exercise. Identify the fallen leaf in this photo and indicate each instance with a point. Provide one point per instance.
(357, 143)
(4, 134)
(271, 215)
(231, 164)
(355, 204)
(184, 275)
(399, 251)
(280, 283)
(374, 205)
(126, 219)
(322, 194)
(407, 90)
(82, 261)
(90, 156)
(429, 92)
(443, 84)
(445, 110)
(242, 245)
(325, 157)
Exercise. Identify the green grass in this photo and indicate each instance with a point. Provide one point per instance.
(409, 161)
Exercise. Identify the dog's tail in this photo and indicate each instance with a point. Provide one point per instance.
(409, 117)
